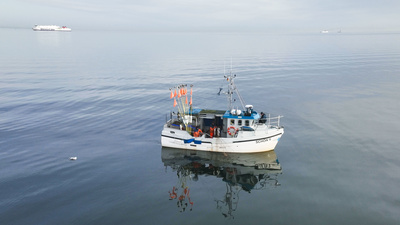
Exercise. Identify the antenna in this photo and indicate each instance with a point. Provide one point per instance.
(224, 68)
(231, 65)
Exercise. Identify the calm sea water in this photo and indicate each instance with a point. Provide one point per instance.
(103, 97)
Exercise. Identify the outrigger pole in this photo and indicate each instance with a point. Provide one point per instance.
(180, 96)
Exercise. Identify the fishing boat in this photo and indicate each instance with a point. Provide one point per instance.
(232, 130)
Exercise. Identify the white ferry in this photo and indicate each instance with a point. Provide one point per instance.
(50, 28)
(228, 131)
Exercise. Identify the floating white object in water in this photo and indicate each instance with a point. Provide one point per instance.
(73, 158)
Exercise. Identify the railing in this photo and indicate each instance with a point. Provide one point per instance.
(273, 121)
(186, 119)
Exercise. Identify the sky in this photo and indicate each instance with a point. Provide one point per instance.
(206, 15)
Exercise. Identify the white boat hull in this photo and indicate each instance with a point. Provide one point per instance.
(245, 142)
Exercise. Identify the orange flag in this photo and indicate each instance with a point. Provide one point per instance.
(179, 93)
(190, 100)
(175, 93)
(175, 102)
(190, 91)
(186, 100)
(172, 95)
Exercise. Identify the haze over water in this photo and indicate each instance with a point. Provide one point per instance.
(103, 97)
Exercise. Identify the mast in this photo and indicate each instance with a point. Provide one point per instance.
(231, 89)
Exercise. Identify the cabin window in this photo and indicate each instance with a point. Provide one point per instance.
(239, 122)
(232, 122)
(247, 122)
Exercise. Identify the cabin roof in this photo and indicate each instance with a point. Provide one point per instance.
(206, 111)
(226, 114)
(254, 115)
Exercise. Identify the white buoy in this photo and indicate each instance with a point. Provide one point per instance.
(73, 158)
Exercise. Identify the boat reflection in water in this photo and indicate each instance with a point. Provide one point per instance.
(246, 172)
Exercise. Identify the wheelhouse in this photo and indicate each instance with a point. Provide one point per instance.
(227, 123)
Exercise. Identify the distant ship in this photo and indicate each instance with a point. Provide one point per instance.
(325, 31)
(50, 28)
